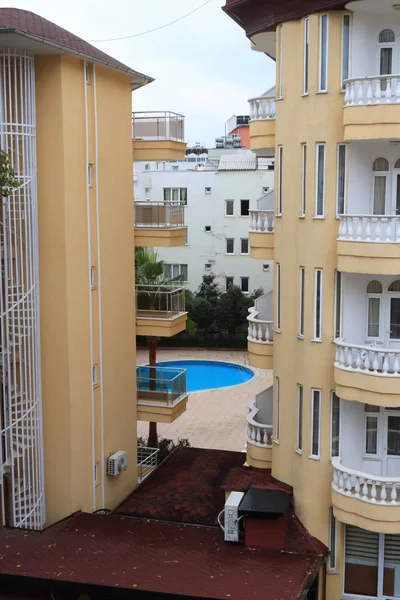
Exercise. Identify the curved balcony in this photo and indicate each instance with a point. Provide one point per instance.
(259, 433)
(160, 224)
(160, 310)
(158, 136)
(365, 500)
(260, 340)
(372, 108)
(261, 234)
(369, 244)
(262, 123)
(161, 394)
(367, 374)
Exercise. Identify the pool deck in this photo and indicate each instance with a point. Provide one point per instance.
(214, 418)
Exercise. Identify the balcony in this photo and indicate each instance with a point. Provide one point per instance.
(262, 124)
(160, 310)
(158, 136)
(371, 108)
(367, 374)
(160, 224)
(161, 394)
(369, 244)
(259, 431)
(260, 336)
(261, 234)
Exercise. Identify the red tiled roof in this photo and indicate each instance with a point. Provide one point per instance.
(186, 488)
(243, 478)
(256, 16)
(145, 555)
(26, 22)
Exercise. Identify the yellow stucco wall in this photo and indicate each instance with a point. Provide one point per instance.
(368, 257)
(158, 150)
(376, 122)
(262, 134)
(260, 355)
(161, 238)
(72, 414)
(261, 245)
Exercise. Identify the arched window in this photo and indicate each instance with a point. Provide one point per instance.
(395, 286)
(397, 164)
(381, 171)
(374, 291)
(387, 37)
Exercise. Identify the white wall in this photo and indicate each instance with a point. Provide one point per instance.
(209, 209)
(353, 439)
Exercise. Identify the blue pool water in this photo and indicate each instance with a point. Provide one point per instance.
(206, 374)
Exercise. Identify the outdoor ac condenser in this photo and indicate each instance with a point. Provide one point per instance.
(117, 463)
(231, 522)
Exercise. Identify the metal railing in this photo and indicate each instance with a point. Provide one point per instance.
(161, 215)
(158, 126)
(146, 461)
(159, 301)
(160, 384)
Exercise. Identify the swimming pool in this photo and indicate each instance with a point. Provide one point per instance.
(207, 374)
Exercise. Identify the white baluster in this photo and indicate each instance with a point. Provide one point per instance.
(259, 222)
(348, 484)
(342, 355)
(357, 486)
(365, 490)
(341, 481)
(263, 109)
(398, 90)
(378, 230)
(359, 229)
(349, 228)
(369, 92)
(388, 93)
(389, 230)
(259, 332)
(383, 493)
(397, 228)
(349, 358)
(385, 364)
(396, 364)
(337, 354)
(352, 93)
(367, 363)
(378, 91)
(347, 95)
(360, 92)
(335, 478)
(258, 438)
(393, 494)
(375, 362)
(358, 359)
(373, 491)
(368, 229)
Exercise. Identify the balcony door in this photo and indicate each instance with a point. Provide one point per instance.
(393, 316)
(395, 208)
(391, 448)
(387, 54)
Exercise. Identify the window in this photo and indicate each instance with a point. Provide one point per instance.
(341, 179)
(301, 319)
(229, 208)
(320, 180)
(92, 278)
(280, 61)
(208, 266)
(95, 474)
(318, 305)
(207, 190)
(277, 409)
(306, 54)
(229, 282)
(361, 561)
(175, 167)
(244, 284)
(244, 208)
(335, 425)
(374, 292)
(332, 541)
(147, 167)
(207, 228)
(380, 174)
(244, 245)
(372, 414)
(278, 296)
(323, 54)
(315, 423)
(230, 246)
(176, 270)
(338, 305)
(175, 195)
(299, 418)
(88, 73)
(280, 165)
(89, 174)
(345, 49)
(303, 179)
(387, 41)
(94, 375)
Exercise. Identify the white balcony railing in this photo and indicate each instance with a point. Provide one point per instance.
(367, 359)
(258, 434)
(364, 91)
(369, 228)
(365, 487)
(259, 331)
(146, 461)
(261, 221)
(262, 108)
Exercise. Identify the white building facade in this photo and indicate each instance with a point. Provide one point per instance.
(218, 198)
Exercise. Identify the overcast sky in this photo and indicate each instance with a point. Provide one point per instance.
(203, 65)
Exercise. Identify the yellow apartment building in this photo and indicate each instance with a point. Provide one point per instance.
(67, 301)
(331, 425)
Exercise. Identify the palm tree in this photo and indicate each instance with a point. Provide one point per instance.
(151, 272)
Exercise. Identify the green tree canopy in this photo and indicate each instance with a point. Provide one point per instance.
(232, 309)
(209, 290)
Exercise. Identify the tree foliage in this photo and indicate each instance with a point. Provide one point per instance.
(232, 309)
(209, 290)
(8, 181)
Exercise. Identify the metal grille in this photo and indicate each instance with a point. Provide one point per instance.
(21, 447)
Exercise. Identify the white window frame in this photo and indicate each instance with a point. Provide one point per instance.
(278, 297)
(303, 180)
(226, 282)
(88, 72)
(277, 410)
(321, 279)
(338, 179)
(317, 171)
(377, 416)
(301, 300)
(279, 195)
(248, 284)
(342, 78)
(179, 265)
(333, 533)
(233, 209)
(300, 408)
(318, 393)
(248, 247)
(280, 87)
(92, 278)
(90, 174)
(96, 474)
(171, 190)
(333, 395)
(226, 247)
(322, 89)
(379, 297)
(337, 326)
(306, 55)
(95, 373)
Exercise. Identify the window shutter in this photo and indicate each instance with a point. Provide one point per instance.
(362, 545)
(392, 548)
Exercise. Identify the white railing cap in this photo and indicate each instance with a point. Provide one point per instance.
(342, 343)
(259, 98)
(337, 464)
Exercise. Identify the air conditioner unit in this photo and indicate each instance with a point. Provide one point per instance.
(231, 517)
(117, 463)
